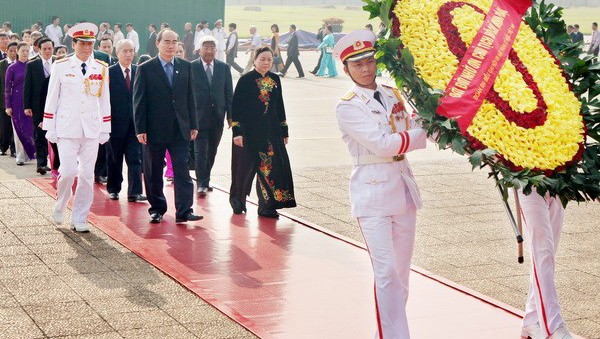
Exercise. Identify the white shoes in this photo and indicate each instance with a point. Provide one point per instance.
(561, 333)
(80, 227)
(532, 332)
(58, 217)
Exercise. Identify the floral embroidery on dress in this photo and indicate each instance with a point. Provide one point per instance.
(265, 168)
(265, 87)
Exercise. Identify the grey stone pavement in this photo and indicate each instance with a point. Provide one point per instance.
(54, 283)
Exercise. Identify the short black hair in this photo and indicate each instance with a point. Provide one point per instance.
(27, 31)
(276, 26)
(7, 24)
(153, 26)
(576, 25)
(58, 48)
(118, 24)
(261, 49)
(162, 31)
(106, 39)
(595, 24)
(43, 40)
(12, 44)
(203, 22)
(233, 25)
(129, 24)
(292, 26)
(4, 34)
(55, 17)
(165, 25)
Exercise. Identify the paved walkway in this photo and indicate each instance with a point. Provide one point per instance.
(463, 235)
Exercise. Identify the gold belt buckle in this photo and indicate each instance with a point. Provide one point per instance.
(398, 157)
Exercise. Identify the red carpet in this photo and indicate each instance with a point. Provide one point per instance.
(288, 278)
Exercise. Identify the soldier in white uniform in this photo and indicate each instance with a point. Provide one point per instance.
(219, 33)
(543, 219)
(77, 118)
(384, 195)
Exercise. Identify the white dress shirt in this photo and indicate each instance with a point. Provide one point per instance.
(118, 37)
(136, 40)
(55, 33)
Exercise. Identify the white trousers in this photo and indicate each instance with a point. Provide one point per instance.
(20, 154)
(543, 221)
(220, 55)
(77, 159)
(390, 241)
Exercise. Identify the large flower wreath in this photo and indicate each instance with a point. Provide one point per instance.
(531, 128)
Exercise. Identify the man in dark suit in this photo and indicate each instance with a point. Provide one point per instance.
(165, 119)
(576, 35)
(293, 53)
(231, 48)
(188, 42)
(320, 36)
(106, 45)
(151, 48)
(35, 88)
(6, 131)
(213, 91)
(123, 141)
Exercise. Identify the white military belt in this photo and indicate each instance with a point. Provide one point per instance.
(370, 159)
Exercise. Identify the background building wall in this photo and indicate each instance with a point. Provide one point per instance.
(563, 3)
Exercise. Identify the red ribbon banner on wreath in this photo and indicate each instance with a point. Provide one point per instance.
(482, 62)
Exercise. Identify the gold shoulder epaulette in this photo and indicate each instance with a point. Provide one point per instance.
(348, 96)
(396, 92)
(62, 60)
(101, 62)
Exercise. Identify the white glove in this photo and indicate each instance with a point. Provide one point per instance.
(51, 136)
(103, 138)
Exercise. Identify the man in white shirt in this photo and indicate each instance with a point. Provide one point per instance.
(7, 26)
(54, 31)
(254, 45)
(118, 36)
(199, 34)
(595, 43)
(133, 36)
(219, 33)
(232, 48)
(35, 50)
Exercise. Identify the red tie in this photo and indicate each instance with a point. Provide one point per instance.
(127, 79)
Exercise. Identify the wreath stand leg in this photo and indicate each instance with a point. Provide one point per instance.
(519, 225)
(517, 228)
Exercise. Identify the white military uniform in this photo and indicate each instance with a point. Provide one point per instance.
(220, 35)
(384, 194)
(77, 113)
(543, 219)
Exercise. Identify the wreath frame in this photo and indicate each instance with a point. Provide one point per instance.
(579, 182)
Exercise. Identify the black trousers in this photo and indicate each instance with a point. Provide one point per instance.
(244, 167)
(318, 63)
(41, 146)
(297, 64)
(206, 150)
(100, 168)
(130, 148)
(56, 161)
(230, 59)
(153, 163)
(6, 134)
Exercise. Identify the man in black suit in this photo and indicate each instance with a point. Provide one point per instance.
(231, 48)
(213, 91)
(151, 48)
(293, 53)
(106, 45)
(165, 119)
(35, 88)
(576, 35)
(123, 142)
(6, 130)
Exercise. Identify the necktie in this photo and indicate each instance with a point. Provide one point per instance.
(46, 69)
(169, 72)
(127, 79)
(377, 96)
(209, 74)
(83, 68)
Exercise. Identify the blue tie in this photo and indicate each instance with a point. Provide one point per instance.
(169, 71)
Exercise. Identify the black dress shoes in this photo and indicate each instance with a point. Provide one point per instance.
(41, 170)
(268, 214)
(113, 196)
(100, 179)
(238, 206)
(137, 197)
(189, 217)
(155, 218)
